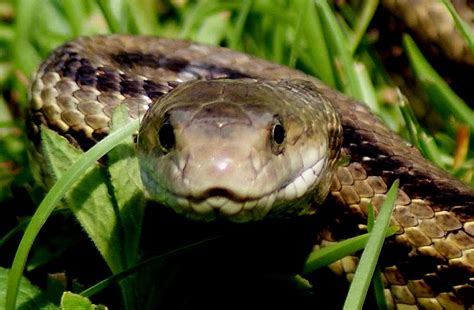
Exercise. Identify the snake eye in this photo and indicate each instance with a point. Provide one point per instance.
(166, 135)
(278, 133)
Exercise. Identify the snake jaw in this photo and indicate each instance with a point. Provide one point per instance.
(237, 208)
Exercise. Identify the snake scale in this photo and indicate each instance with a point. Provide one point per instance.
(276, 134)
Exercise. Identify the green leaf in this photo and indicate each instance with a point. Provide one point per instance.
(71, 301)
(368, 261)
(88, 199)
(51, 200)
(29, 296)
(113, 221)
(127, 189)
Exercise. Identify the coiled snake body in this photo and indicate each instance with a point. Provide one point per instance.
(232, 136)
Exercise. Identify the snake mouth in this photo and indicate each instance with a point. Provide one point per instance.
(232, 207)
(223, 203)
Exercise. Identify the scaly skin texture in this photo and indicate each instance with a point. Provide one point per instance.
(430, 262)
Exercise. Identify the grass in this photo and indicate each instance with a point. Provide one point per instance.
(308, 35)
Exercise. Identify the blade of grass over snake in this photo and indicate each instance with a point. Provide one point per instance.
(50, 201)
(368, 261)
(409, 118)
(377, 283)
(378, 287)
(418, 137)
(461, 25)
(327, 255)
(443, 98)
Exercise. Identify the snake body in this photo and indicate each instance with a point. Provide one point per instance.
(221, 108)
(432, 23)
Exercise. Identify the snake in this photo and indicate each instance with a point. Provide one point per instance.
(229, 136)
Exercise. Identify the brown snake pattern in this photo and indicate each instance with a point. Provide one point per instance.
(434, 24)
(431, 260)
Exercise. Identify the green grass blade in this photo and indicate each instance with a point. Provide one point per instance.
(411, 123)
(377, 283)
(441, 95)
(17, 229)
(235, 38)
(367, 90)
(368, 261)
(213, 30)
(318, 54)
(379, 293)
(198, 12)
(294, 48)
(143, 17)
(424, 143)
(461, 25)
(110, 18)
(362, 23)
(327, 255)
(51, 200)
(339, 47)
(25, 56)
(75, 14)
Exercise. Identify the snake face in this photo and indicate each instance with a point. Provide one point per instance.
(239, 149)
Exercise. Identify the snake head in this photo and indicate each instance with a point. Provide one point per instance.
(239, 149)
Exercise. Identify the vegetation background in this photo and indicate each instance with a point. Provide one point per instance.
(338, 43)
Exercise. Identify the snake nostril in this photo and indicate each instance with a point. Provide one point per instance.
(218, 192)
